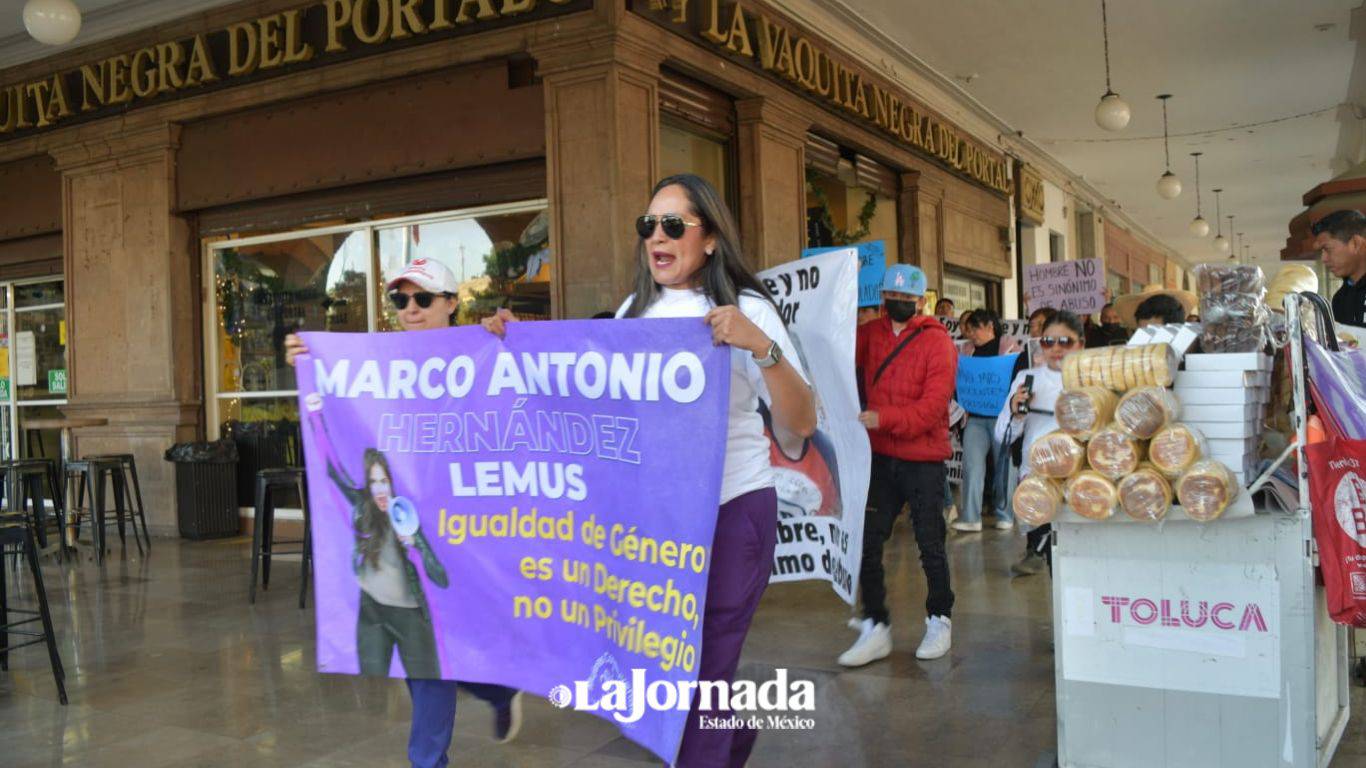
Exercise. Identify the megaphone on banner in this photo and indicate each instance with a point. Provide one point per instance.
(403, 516)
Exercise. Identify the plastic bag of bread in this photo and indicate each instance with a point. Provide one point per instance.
(1057, 455)
(1092, 495)
(1037, 500)
(1175, 448)
(1083, 412)
(1113, 452)
(1145, 495)
(1145, 410)
(1120, 369)
(1206, 490)
(1221, 279)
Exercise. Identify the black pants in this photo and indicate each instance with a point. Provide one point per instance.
(1040, 543)
(380, 627)
(921, 485)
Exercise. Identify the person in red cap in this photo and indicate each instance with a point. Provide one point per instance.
(424, 295)
(908, 365)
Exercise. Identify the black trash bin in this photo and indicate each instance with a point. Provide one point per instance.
(206, 488)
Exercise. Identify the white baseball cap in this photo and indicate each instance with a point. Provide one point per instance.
(428, 275)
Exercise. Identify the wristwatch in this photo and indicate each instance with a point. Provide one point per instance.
(775, 354)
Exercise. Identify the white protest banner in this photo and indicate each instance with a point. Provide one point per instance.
(1077, 286)
(822, 481)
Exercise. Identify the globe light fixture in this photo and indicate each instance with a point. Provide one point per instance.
(1112, 113)
(1198, 226)
(1220, 242)
(52, 22)
(1168, 185)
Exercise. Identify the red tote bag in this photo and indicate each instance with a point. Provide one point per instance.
(1337, 483)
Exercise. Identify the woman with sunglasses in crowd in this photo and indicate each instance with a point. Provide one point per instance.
(1029, 412)
(424, 296)
(689, 264)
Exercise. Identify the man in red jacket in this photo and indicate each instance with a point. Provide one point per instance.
(907, 365)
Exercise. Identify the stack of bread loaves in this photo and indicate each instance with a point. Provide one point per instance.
(1120, 444)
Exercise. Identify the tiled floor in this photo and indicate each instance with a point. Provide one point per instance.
(168, 665)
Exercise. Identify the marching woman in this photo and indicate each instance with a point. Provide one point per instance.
(1062, 333)
(689, 265)
(424, 297)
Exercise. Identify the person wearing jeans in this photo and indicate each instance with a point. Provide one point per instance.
(907, 364)
(982, 330)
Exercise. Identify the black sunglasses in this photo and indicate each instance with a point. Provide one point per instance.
(423, 298)
(673, 224)
(1066, 342)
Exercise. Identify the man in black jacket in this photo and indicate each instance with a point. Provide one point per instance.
(1340, 239)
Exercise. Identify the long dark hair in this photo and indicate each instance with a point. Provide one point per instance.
(725, 275)
(373, 522)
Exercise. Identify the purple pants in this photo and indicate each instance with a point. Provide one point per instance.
(741, 559)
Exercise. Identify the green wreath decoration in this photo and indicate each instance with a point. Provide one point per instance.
(840, 236)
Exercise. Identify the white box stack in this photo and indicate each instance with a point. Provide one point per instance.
(1225, 396)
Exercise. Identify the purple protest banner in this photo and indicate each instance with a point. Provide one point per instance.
(535, 511)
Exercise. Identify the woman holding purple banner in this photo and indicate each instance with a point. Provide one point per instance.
(689, 265)
(424, 297)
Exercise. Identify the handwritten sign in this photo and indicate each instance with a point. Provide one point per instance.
(872, 264)
(983, 383)
(1077, 286)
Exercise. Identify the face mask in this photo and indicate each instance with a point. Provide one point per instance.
(900, 311)
(1111, 326)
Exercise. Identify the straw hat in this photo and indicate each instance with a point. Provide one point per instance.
(1127, 304)
(1292, 277)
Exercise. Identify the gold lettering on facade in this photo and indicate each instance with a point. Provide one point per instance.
(242, 49)
(339, 14)
(272, 54)
(144, 79)
(200, 69)
(358, 18)
(169, 58)
(408, 22)
(118, 80)
(295, 52)
(738, 38)
(485, 13)
(92, 84)
(38, 91)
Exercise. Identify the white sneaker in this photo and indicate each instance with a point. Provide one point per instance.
(951, 513)
(874, 642)
(938, 638)
(965, 527)
(1003, 525)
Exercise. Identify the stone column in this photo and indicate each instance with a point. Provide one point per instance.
(772, 171)
(132, 304)
(921, 208)
(602, 159)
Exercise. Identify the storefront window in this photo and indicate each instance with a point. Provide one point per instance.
(499, 260)
(1118, 284)
(685, 151)
(332, 279)
(840, 212)
(965, 292)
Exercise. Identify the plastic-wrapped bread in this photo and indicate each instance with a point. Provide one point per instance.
(1120, 368)
(1113, 452)
(1206, 490)
(1145, 410)
(1037, 500)
(1145, 494)
(1223, 279)
(1092, 495)
(1057, 455)
(1175, 448)
(1083, 412)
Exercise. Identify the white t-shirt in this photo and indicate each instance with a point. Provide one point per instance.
(747, 464)
(1040, 421)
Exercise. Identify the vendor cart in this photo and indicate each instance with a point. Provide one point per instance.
(1200, 644)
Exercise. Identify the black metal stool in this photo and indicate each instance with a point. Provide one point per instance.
(16, 537)
(134, 498)
(93, 472)
(262, 537)
(23, 481)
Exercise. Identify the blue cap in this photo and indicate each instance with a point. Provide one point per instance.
(904, 278)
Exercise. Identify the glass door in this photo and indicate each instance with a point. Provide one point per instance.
(33, 370)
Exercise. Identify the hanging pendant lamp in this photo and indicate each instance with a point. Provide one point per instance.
(1220, 242)
(52, 22)
(1168, 185)
(1112, 113)
(1198, 226)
